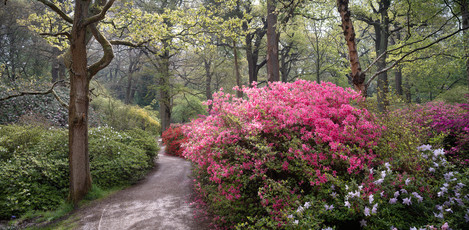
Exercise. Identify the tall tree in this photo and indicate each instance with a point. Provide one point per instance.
(86, 15)
(358, 77)
(273, 72)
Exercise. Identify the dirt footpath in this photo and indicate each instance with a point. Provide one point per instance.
(160, 201)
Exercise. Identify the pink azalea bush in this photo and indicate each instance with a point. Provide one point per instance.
(255, 159)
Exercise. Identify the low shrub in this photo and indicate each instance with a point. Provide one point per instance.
(34, 171)
(124, 117)
(256, 159)
(436, 198)
(174, 138)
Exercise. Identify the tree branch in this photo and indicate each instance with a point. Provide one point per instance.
(56, 9)
(62, 103)
(127, 43)
(24, 93)
(100, 16)
(409, 53)
(107, 49)
(66, 34)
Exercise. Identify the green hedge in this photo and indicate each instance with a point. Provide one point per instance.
(34, 164)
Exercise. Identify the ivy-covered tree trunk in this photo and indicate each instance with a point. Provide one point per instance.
(273, 72)
(80, 177)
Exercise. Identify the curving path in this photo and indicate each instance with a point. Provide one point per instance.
(160, 201)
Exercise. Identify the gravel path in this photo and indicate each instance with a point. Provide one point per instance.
(160, 201)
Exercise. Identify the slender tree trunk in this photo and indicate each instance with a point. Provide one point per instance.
(272, 42)
(398, 71)
(55, 64)
(129, 86)
(239, 93)
(358, 78)
(465, 24)
(208, 79)
(398, 81)
(80, 177)
(250, 59)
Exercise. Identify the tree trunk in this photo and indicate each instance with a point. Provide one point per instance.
(250, 59)
(398, 81)
(55, 64)
(239, 93)
(272, 43)
(80, 177)
(129, 87)
(465, 24)
(165, 89)
(398, 71)
(208, 79)
(358, 78)
(381, 45)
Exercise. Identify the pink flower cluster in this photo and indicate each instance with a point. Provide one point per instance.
(300, 131)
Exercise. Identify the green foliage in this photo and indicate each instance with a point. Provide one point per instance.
(455, 95)
(187, 108)
(124, 117)
(34, 164)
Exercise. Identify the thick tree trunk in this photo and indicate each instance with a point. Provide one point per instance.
(165, 91)
(239, 93)
(80, 177)
(358, 78)
(273, 73)
(381, 45)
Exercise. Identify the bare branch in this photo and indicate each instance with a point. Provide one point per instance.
(62, 103)
(127, 43)
(56, 9)
(66, 34)
(107, 49)
(100, 16)
(409, 53)
(24, 93)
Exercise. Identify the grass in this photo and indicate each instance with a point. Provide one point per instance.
(60, 218)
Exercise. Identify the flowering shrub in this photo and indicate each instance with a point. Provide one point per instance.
(451, 120)
(256, 159)
(438, 198)
(173, 138)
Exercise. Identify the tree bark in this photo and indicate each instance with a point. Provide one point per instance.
(465, 24)
(208, 79)
(358, 77)
(273, 73)
(239, 93)
(80, 177)
(381, 45)
(165, 89)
